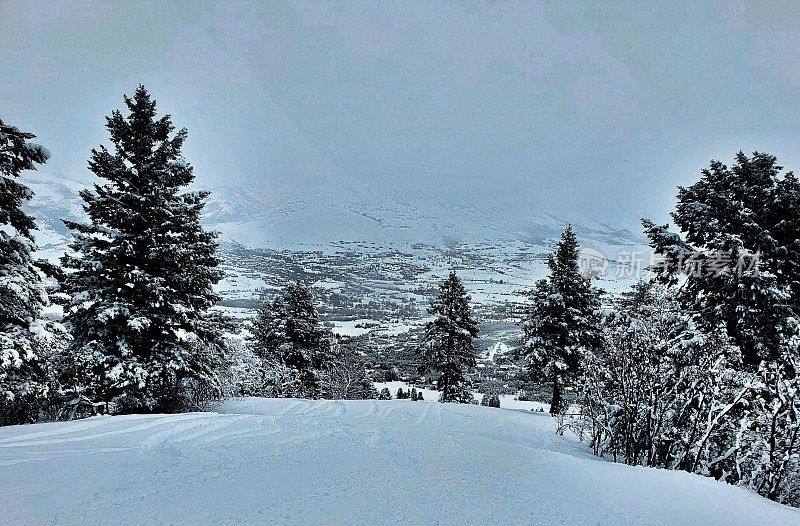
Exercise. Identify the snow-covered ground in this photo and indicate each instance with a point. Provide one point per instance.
(285, 461)
(507, 401)
(363, 326)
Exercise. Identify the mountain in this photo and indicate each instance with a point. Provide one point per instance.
(347, 209)
(343, 209)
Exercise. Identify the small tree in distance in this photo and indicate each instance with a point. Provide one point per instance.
(448, 343)
(288, 331)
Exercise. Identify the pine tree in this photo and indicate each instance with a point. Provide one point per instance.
(747, 217)
(490, 400)
(142, 279)
(562, 324)
(385, 394)
(288, 330)
(447, 346)
(23, 334)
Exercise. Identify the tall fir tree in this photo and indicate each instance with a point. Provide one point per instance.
(447, 347)
(288, 331)
(142, 278)
(23, 333)
(562, 323)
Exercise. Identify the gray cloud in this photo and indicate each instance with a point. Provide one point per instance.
(602, 107)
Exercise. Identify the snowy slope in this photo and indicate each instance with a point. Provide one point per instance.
(329, 462)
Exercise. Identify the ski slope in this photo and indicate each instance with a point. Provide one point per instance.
(263, 461)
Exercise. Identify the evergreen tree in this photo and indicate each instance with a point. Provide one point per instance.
(562, 322)
(491, 390)
(288, 330)
(401, 394)
(741, 254)
(141, 281)
(490, 400)
(23, 334)
(385, 394)
(447, 346)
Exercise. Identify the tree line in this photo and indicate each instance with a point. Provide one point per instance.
(690, 370)
(695, 369)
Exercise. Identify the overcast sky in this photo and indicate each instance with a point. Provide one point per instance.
(605, 107)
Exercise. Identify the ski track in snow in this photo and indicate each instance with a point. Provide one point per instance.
(335, 462)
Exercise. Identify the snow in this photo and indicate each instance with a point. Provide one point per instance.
(507, 401)
(497, 348)
(348, 328)
(366, 326)
(358, 462)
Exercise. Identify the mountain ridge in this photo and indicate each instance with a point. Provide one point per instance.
(339, 210)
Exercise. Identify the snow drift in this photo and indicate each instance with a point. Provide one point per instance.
(356, 462)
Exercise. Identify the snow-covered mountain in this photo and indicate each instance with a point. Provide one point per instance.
(340, 209)
(343, 209)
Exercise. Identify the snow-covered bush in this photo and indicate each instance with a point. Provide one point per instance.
(664, 393)
(345, 376)
(738, 267)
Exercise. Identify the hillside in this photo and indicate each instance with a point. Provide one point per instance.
(356, 462)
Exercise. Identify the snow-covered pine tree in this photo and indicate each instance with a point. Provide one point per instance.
(288, 331)
(23, 334)
(562, 324)
(141, 280)
(491, 390)
(447, 346)
(750, 214)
